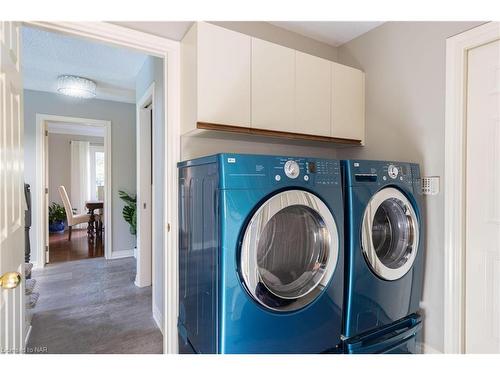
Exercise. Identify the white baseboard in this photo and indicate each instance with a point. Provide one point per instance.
(27, 337)
(158, 317)
(427, 349)
(122, 254)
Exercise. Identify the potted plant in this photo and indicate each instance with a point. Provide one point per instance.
(57, 215)
(129, 211)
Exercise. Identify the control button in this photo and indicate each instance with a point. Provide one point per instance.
(392, 171)
(311, 167)
(292, 169)
(384, 178)
(277, 177)
(306, 178)
(401, 178)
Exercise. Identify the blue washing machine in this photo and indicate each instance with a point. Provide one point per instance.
(384, 256)
(261, 255)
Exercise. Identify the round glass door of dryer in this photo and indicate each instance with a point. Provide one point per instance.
(289, 250)
(390, 234)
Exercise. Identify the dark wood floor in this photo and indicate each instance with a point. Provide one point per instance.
(62, 250)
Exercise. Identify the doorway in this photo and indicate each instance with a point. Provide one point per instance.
(112, 281)
(74, 171)
(169, 51)
(50, 193)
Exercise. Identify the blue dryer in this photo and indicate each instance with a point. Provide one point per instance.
(384, 256)
(261, 255)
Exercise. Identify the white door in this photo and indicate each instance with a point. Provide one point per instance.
(144, 187)
(12, 201)
(483, 200)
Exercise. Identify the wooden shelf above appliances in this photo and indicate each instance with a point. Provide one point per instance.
(275, 133)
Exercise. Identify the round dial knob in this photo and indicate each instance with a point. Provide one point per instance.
(292, 169)
(392, 171)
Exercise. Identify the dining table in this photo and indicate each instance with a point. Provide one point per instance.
(91, 206)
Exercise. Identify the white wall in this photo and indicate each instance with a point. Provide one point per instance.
(404, 63)
(122, 117)
(60, 162)
(152, 71)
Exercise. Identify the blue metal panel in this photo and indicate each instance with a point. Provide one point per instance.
(371, 302)
(198, 253)
(239, 324)
(401, 337)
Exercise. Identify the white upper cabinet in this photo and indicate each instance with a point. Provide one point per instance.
(234, 82)
(312, 95)
(273, 86)
(348, 102)
(217, 76)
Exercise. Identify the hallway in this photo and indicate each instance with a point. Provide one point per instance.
(93, 306)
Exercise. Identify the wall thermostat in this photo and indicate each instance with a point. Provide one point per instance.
(430, 185)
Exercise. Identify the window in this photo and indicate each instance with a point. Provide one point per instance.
(97, 169)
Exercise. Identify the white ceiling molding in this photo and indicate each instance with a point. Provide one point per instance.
(75, 129)
(334, 33)
(47, 55)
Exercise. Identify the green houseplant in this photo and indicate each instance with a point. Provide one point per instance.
(129, 211)
(57, 215)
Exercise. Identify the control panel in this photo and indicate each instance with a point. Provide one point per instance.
(368, 171)
(398, 172)
(308, 171)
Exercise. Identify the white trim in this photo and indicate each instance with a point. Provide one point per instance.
(169, 50)
(61, 128)
(158, 317)
(122, 254)
(27, 337)
(457, 48)
(424, 348)
(41, 153)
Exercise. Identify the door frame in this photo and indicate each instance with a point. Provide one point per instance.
(169, 51)
(42, 155)
(142, 279)
(457, 48)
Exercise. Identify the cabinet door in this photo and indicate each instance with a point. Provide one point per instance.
(273, 86)
(348, 102)
(312, 95)
(223, 76)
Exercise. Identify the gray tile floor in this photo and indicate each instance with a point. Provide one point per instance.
(93, 306)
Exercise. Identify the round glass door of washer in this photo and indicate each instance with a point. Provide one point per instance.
(289, 250)
(390, 234)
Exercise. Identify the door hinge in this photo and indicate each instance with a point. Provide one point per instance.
(46, 133)
(168, 227)
(46, 190)
(144, 205)
(46, 248)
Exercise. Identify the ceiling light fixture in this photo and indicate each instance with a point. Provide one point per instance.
(76, 86)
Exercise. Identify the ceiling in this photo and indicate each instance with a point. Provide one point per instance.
(47, 55)
(334, 33)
